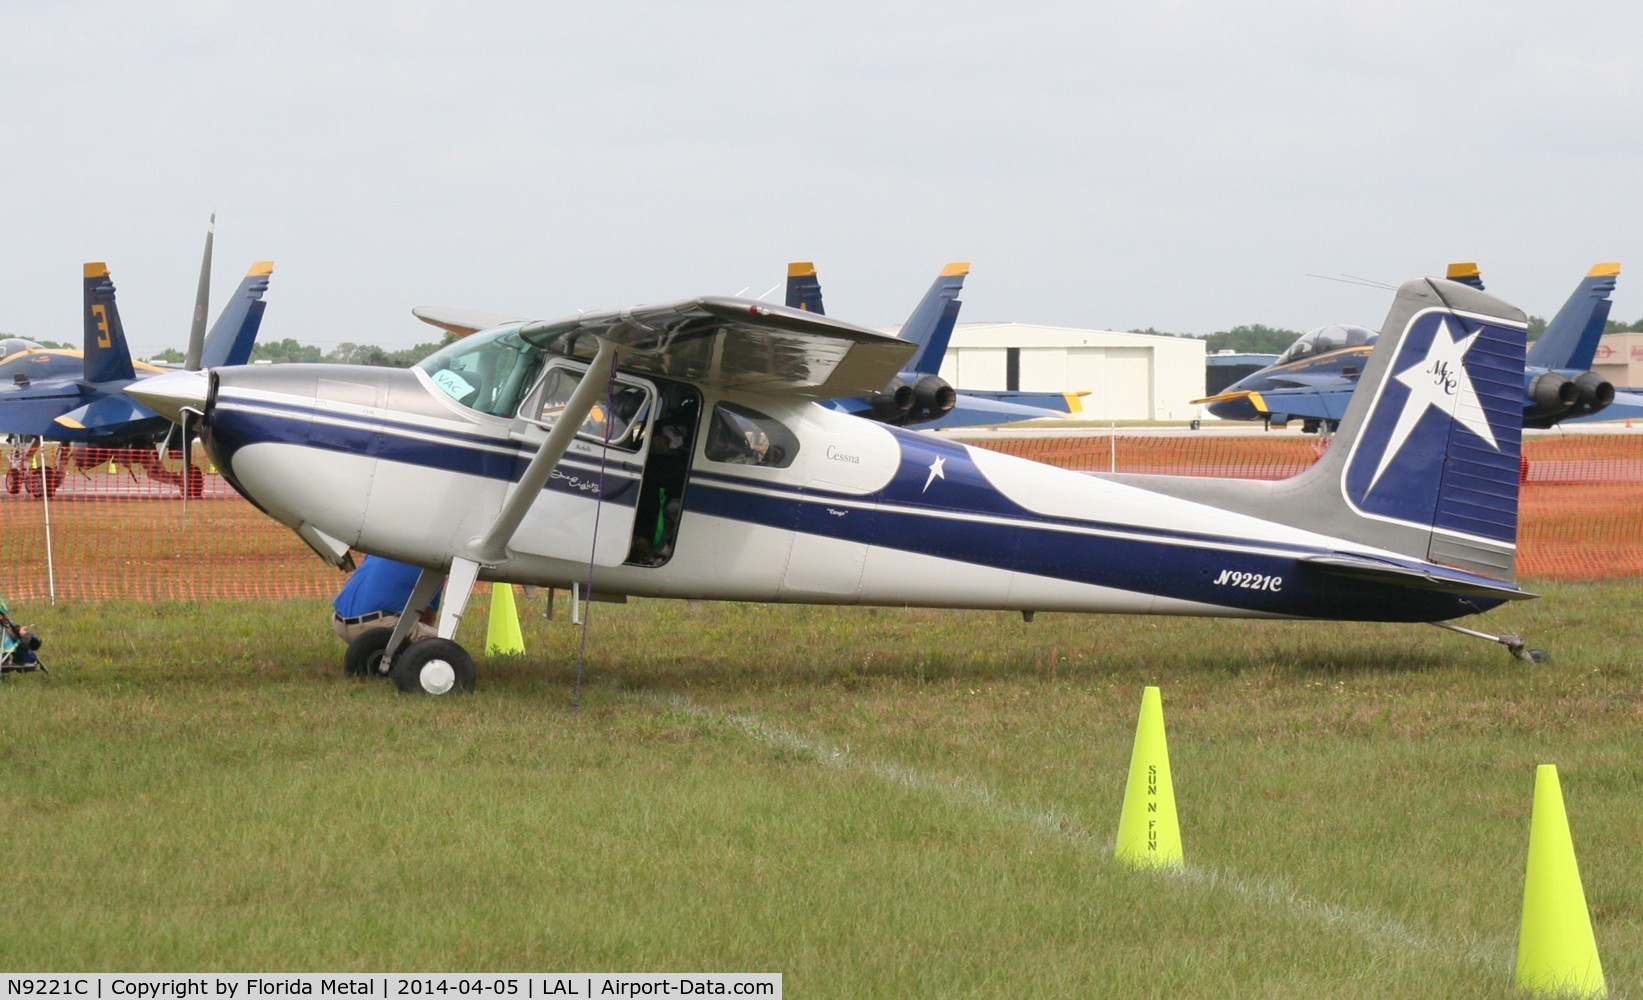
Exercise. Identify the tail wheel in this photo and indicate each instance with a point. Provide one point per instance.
(434, 666)
(364, 656)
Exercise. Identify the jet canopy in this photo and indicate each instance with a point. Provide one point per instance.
(1325, 339)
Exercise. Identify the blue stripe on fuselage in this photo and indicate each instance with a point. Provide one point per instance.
(974, 523)
(235, 424)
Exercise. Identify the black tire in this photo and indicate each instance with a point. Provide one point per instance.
(364, 656)
(195, 487)
(434, 666)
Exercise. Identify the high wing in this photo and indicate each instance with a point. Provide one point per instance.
(736, 344)
(464, 321)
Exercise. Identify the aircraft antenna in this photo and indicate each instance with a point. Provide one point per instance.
(771, 289)
(1352, 279)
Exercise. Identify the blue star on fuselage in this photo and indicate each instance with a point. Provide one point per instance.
(1440, 381)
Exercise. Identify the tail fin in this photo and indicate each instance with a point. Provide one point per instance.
(235, 332)
(1426, 459)
(931, 324)
(804, 288)
(1570, 340)
(107, 358)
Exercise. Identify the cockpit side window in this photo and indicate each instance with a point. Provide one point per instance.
(625, 412)
(744, 436)
(489, 372)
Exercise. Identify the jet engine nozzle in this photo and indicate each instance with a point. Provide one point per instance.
(1595, 391)
(1550, 393)
(933, 398)
(892, 402)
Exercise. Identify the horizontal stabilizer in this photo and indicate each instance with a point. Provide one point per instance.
(1426, 578)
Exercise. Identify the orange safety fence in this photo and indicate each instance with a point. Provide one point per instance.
(121, 527)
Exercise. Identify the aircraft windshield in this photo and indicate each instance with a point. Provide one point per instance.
(1325, 339)
(489, 372)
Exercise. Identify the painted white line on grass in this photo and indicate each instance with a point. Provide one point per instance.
(1378, 930)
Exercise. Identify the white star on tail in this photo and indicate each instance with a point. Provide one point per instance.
(935, 471)
(1441, 381)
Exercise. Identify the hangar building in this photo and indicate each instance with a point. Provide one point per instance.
(1129, 376)
(1620, 359)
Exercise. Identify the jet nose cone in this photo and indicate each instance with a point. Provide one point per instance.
(169, 394)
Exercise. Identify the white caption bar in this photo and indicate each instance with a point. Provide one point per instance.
(387, 986)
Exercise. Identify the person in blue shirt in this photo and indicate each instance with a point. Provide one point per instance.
(374, 597)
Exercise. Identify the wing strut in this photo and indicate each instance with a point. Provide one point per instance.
(426, 586)
(491, 548)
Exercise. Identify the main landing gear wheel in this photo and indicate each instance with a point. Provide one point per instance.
(364, 656)
(434, 666)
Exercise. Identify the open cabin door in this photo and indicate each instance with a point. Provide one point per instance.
(593, 493)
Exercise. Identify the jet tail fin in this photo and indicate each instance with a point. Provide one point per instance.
(235, 332)
(107, 358)
(1570, 339)
(1466, 272)
(1426, 461)
(931, 324)
(804, 288)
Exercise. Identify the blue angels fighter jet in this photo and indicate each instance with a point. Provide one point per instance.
(681, 451)
(1313, 380)
(77, 397)
(918, 395)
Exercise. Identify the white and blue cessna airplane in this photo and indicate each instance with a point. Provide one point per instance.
(679, 451)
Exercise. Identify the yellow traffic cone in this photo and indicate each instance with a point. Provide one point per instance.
(1556, 951)
(1148, 832)
(502, 631)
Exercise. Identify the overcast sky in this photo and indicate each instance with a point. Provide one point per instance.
(1113, 165)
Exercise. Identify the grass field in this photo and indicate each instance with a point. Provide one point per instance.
(873, 802)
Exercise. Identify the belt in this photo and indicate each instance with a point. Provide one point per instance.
(360, 619)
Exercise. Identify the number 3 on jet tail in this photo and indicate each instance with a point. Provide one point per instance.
(691, 434)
